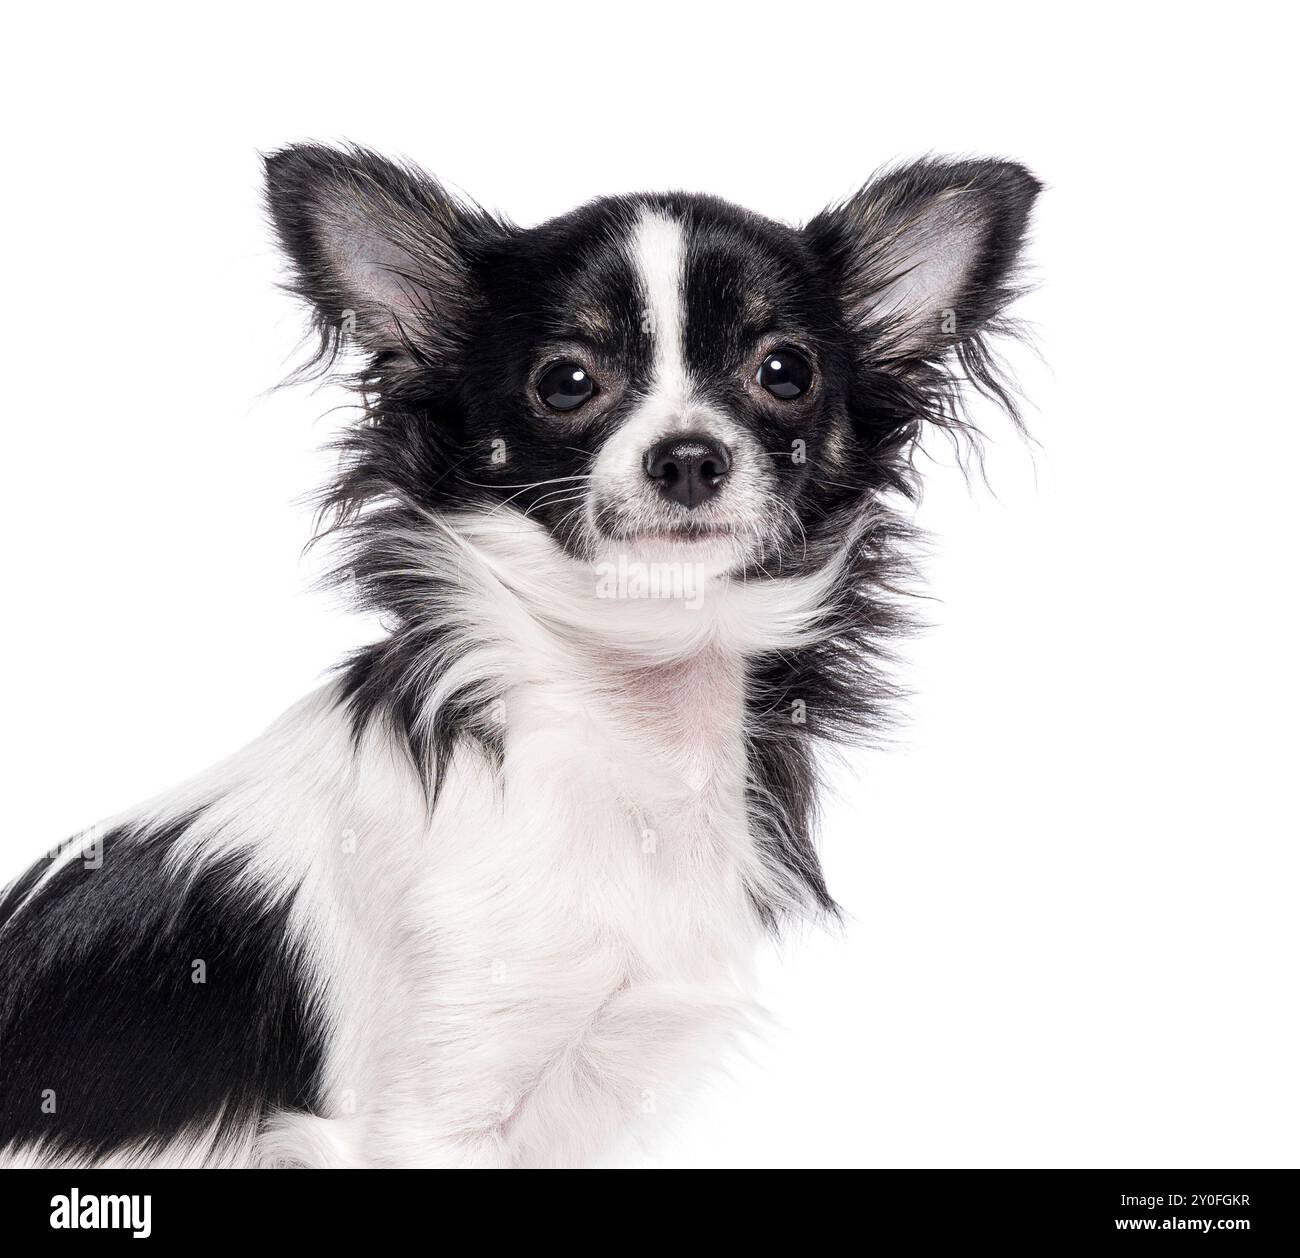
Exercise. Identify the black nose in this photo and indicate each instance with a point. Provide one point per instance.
(688, 468)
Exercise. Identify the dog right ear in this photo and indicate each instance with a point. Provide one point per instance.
(925, 257)
(380, 250)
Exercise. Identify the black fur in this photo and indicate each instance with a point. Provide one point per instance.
(101, 1018)
(454, 378)
(106, 1040)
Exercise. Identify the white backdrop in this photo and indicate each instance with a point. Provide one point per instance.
(1071, 885)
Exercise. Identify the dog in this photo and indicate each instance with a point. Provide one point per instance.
(629, 495)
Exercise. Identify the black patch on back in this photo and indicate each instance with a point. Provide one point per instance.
(100, 1014)
(18, 890)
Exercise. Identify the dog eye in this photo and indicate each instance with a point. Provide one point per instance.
(565, 386)
(785, 374)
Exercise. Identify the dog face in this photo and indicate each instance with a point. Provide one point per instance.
(666, 377)
(674, 359)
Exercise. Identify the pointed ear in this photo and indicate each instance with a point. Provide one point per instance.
(378, 249)
(925, 256)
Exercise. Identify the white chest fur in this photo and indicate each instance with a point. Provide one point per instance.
(582, 922)
(578, 923)
(522, 974)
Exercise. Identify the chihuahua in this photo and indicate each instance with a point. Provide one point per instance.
(629, 494)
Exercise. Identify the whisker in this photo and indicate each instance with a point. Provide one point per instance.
(536, 484)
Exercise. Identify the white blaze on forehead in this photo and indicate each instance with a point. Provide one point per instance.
(620, 486)
(659, 255)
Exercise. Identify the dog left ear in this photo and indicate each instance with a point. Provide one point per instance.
(925, 256)
(380, 250)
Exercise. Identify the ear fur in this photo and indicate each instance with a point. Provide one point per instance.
(380, 250)
(925, 256)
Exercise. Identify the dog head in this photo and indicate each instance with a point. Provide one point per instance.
(665, 377)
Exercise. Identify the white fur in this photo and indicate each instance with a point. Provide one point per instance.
(747, 504)
(658, 249)
(522, 975)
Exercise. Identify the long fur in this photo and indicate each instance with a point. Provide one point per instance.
(488, 897)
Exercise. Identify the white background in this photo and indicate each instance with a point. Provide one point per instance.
(1071, 886)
